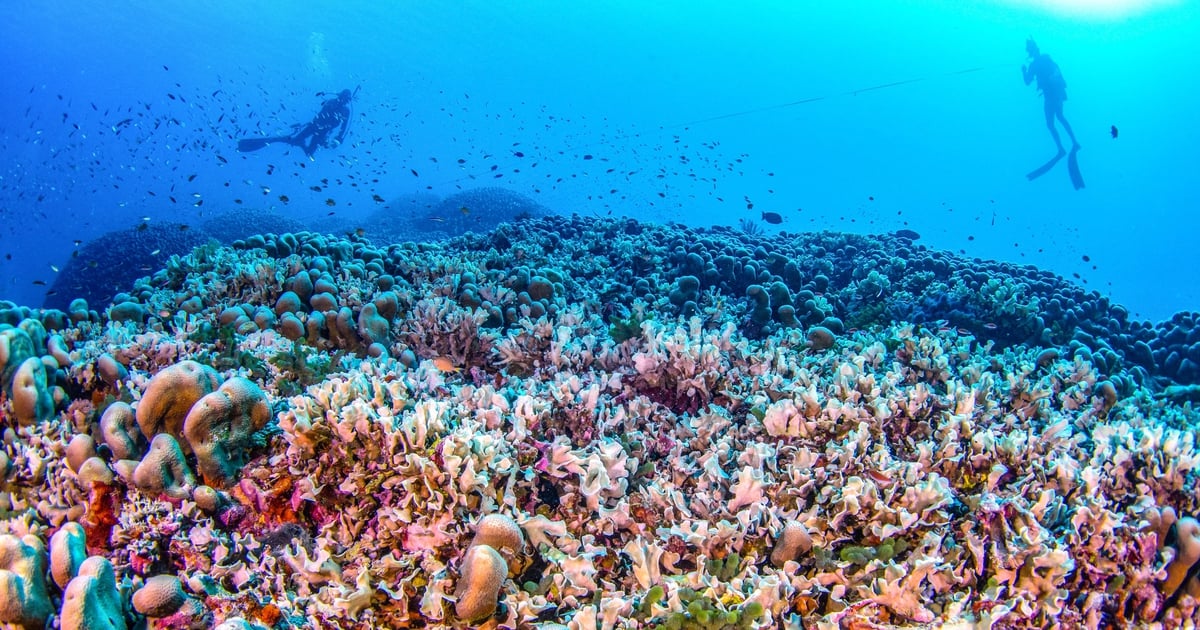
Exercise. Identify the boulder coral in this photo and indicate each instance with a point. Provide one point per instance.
(91, 600)
(163, 471)
(483, 573)
(15, 347)
(484, 568)
(119, 430)
(793, 541)
(160, 596)
(1186, 538)
(169, 397)
(500, 532)
(219, 428)
(68, 550)
(31, 398)
(24, 600)
(168, 607)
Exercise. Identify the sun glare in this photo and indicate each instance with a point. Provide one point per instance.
(1098, 9)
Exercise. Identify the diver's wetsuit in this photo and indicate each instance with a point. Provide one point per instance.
(1054, 91)
(334, 113)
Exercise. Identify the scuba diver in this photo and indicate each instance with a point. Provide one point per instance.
(1053, 88)
(335, 113)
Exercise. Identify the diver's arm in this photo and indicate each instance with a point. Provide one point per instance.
(1027, 72)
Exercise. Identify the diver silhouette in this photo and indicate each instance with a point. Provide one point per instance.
(334, 114)
(1053, 86)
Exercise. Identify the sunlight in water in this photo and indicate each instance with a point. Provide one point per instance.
(1099, 9)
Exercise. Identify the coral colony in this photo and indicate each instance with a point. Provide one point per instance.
(592, 424)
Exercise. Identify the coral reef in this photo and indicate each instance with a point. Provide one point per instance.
(596, 423)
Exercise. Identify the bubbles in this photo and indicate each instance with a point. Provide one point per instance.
(318, 63)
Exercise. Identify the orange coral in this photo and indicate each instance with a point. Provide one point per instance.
(103, 506)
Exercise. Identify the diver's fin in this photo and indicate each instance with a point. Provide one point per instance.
(1073, 168)
(1043, 169)
(254, 144)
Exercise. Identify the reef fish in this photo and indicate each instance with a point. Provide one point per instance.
(445, 364)
(774, 218)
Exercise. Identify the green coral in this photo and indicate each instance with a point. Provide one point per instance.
(226, 353)
(653, 596)
(725, 569)
(702, 613)
(624, 329)
(868, 316)
(884, 551)
(302, 365)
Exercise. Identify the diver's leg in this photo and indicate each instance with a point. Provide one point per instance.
(1050, 112)
(1066, 125)
(300, 138)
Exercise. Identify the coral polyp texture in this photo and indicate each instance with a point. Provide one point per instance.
(581, 423)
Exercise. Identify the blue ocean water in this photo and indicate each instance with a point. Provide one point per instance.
(865, 118)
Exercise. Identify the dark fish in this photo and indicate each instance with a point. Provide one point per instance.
(284, 198)
(1113, 131)
(192, 177)
(774, 218)
(40, 283)
(377, 198)
(330, 202)
(908, 234)
(414, 172)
